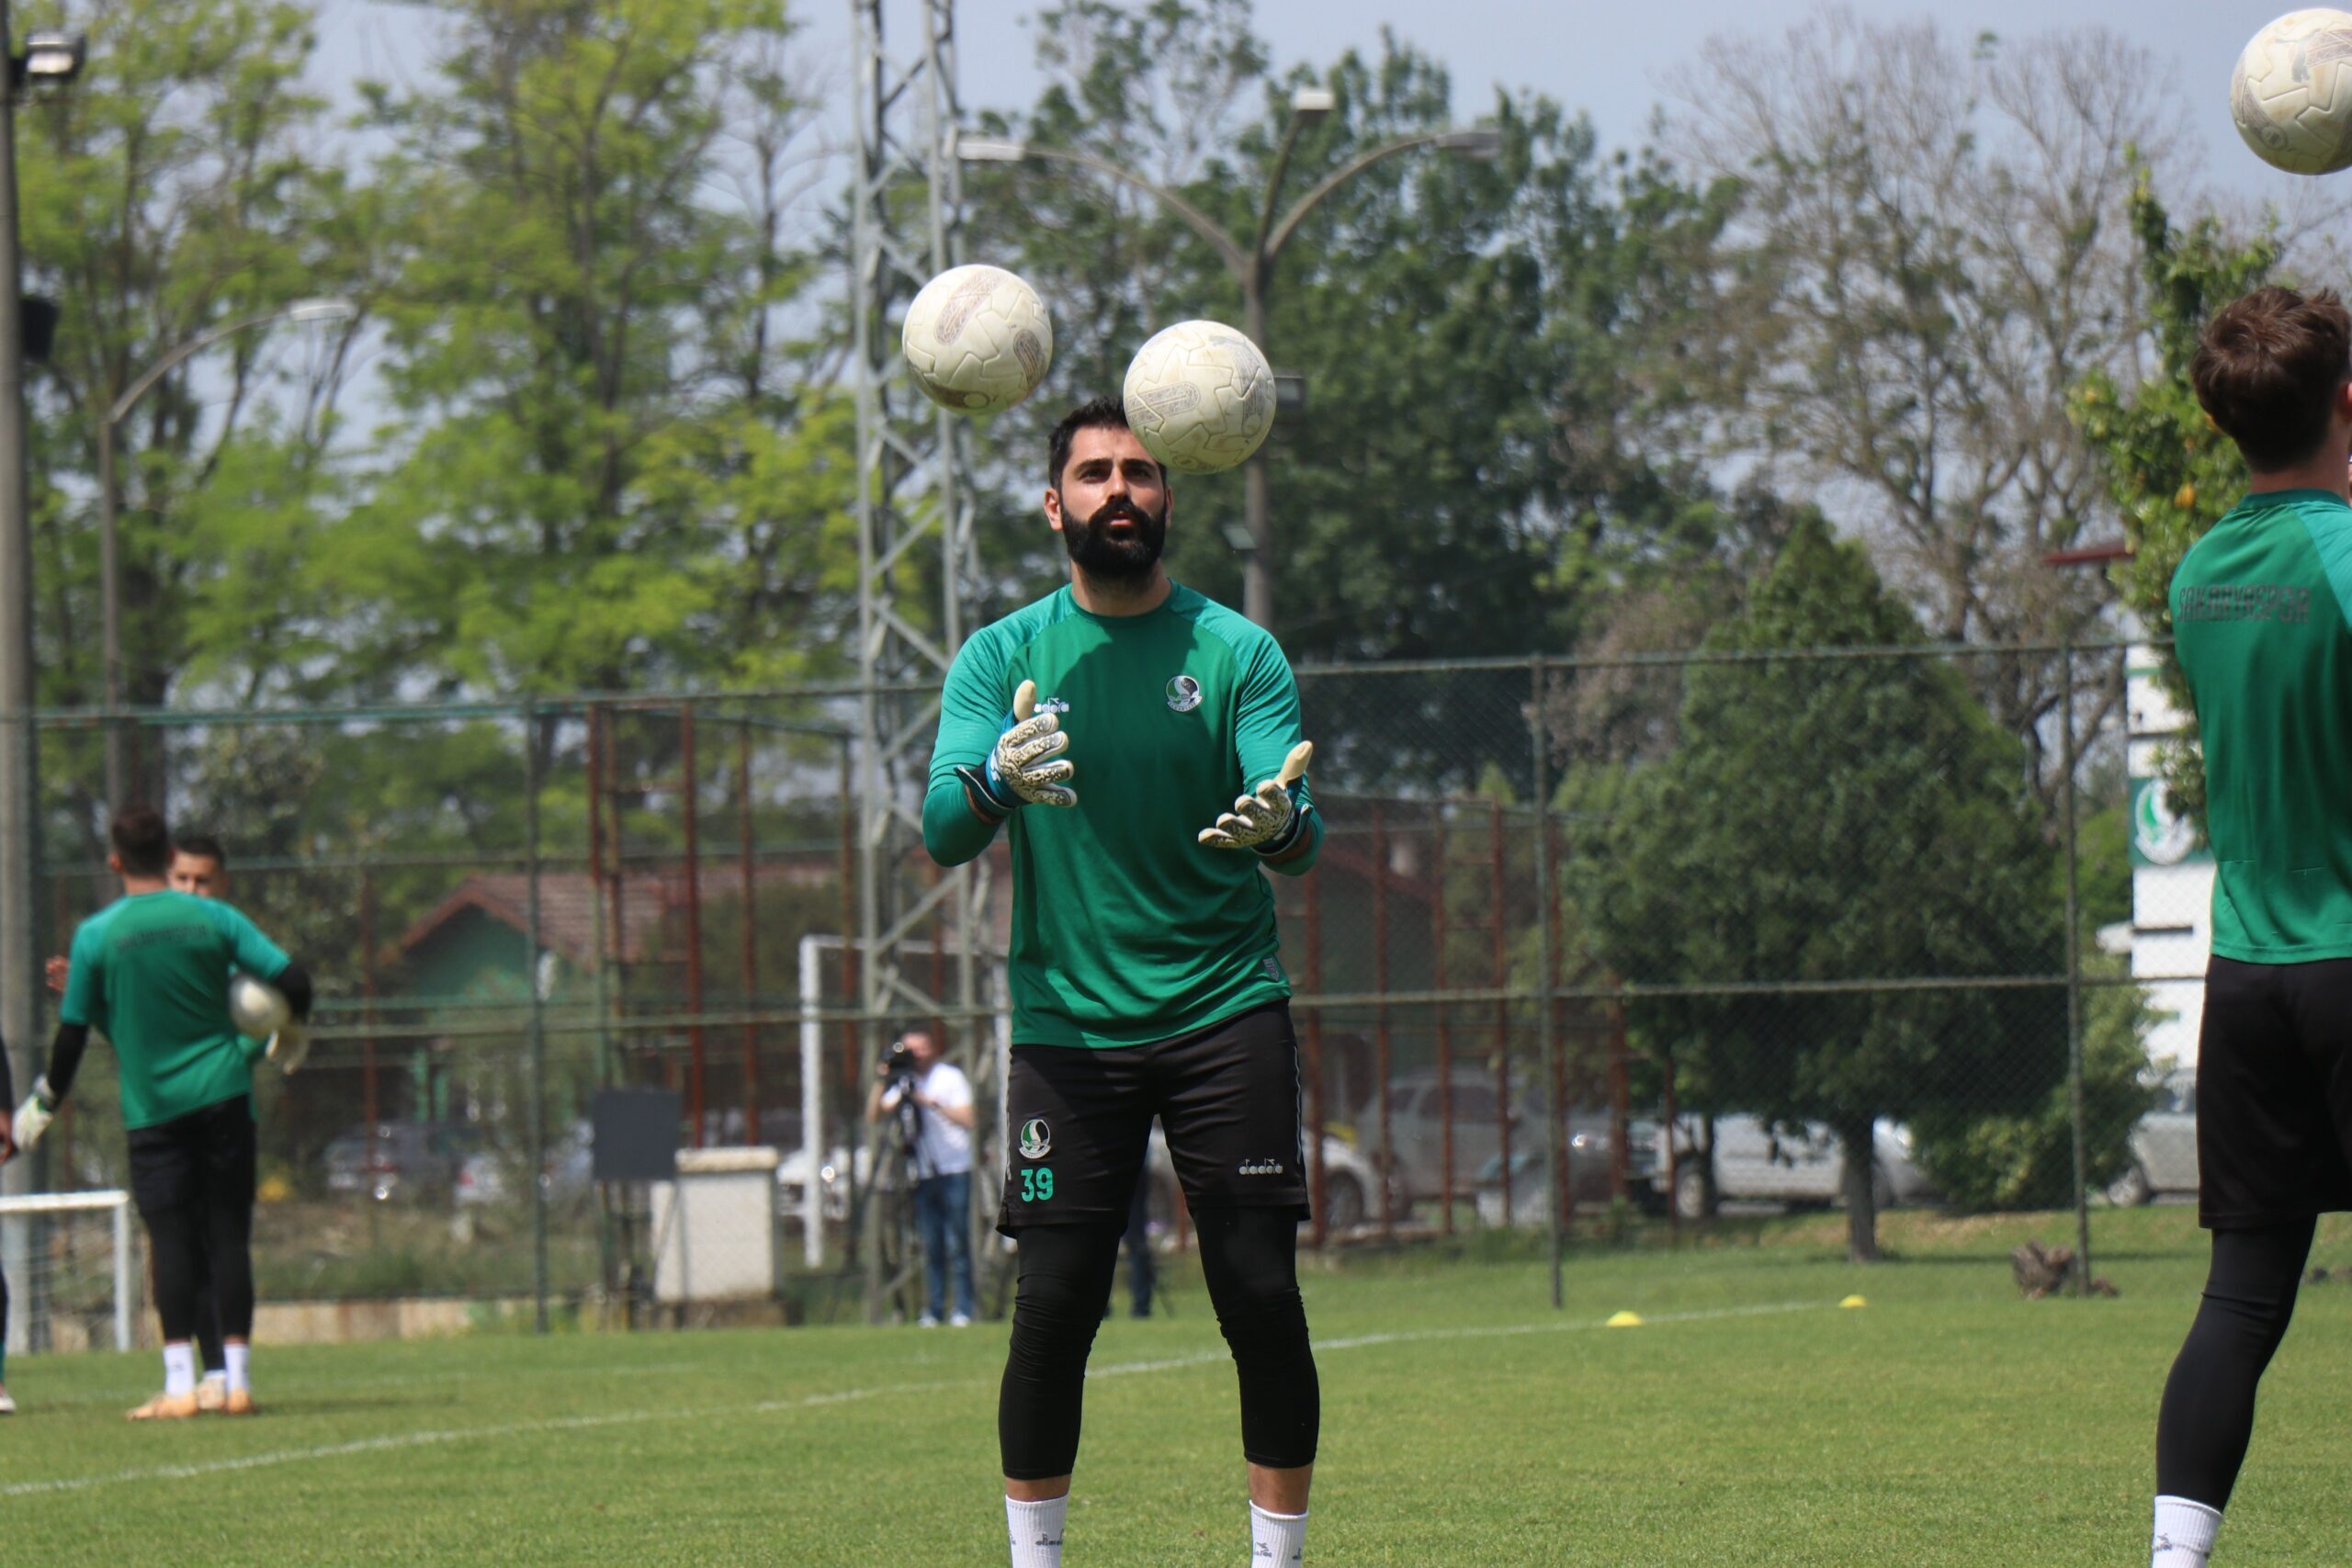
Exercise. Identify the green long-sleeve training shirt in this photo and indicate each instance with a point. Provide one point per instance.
(1126, 929)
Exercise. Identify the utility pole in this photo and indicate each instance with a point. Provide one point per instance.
(19, 820)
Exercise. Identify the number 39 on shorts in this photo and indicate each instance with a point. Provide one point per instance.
(1036, 1184)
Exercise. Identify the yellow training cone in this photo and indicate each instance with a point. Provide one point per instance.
(1853, 1302)
(1625, 1320)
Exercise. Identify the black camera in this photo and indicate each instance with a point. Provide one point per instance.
(897, 1064)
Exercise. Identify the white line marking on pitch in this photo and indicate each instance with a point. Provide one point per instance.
(808, 1402)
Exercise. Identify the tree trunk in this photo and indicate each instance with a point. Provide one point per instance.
(1860, 1188)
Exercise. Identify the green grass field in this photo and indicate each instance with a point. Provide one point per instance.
(1750, 1420)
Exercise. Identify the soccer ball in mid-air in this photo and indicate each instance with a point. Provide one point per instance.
(978, 339)
(258, 1009)
(2292, 94)
(1200, 397)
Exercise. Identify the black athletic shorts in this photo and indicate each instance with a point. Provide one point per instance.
(2274, 1093)
(202, 1161)
(1227, 1097)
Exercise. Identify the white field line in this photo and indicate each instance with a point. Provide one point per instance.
(807, 1402)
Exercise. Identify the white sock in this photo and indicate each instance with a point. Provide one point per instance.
(1279, 1539)
(179, 1369)
(241, 1366)
(2184, 1533)
(1035, 1530)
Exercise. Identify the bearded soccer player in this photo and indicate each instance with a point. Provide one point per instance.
(150, 971)
(2261, 625)
(1142, 744)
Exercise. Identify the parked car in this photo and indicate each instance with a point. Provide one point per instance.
(1417, 1128)
(1417, 1123)
(2163, 1147)
(1591, 1175)
(406, 1160)
(1798, 1166)
(565, 1174)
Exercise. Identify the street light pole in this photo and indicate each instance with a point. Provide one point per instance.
(110, 543)
(1252, 269)
(19, 981)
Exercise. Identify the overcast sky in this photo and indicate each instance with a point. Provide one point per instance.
(1614, 61)
(1610, 61)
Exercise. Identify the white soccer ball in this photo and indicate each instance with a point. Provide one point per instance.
(978, 340)
(2292, 93)
(1200, 397)
(258, 1009)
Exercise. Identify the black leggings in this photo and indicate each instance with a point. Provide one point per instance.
(193, 1179)
(2208, 1412)
(1251, 1260)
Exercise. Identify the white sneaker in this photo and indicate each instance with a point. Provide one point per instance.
(926, 1321)
(959, 1321)
(7, 1406)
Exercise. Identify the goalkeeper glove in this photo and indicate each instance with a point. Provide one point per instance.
(1025, 767)
(33, 1117)
(1267, 818)
(290, 1046)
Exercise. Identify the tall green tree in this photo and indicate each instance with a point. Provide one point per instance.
(606, 469)
(1931, 248)
(2166, 468)
(1473, 336)
(1833, 820)
(179, 185)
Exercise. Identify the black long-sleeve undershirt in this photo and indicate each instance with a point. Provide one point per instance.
(65, 1059)
(294, 981)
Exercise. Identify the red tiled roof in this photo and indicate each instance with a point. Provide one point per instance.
(568, 901)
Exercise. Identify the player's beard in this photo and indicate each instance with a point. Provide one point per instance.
(1107, 558)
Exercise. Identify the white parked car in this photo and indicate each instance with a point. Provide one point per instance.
(1803, 1165)
(2163, 1147)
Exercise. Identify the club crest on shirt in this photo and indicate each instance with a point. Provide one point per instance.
(1183, 693)
(1036, 1138)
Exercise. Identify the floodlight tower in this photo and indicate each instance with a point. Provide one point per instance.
(916, 556)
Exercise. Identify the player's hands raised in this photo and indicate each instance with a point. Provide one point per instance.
(1027, 766)
(1267, 819)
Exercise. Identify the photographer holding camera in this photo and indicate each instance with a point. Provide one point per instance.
(913, 1081)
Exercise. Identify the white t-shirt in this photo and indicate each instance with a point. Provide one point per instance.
(945, 1148)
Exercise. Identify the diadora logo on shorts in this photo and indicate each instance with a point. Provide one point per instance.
(1036, 1138)
(1261, 1168)
(1183, 693)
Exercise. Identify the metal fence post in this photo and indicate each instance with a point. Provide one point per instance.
(538, 1037)
(2074, 979)
(1547, 1031)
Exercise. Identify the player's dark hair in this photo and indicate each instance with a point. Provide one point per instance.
(142, 841)
(1097, 413)
(2267, 365)
(203, 844)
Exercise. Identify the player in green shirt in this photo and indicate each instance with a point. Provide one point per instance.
(2262, 626)
(151, 971)
(1144, 970)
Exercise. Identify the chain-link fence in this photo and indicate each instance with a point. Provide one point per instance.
(1590, 941)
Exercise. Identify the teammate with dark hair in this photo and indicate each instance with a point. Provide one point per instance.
(1144, 969)
(151, 971)
(2261, 625)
